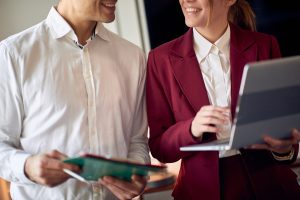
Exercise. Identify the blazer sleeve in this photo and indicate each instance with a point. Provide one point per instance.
(166, 135)
(275, 49)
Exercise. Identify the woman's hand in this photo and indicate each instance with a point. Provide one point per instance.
(208, 119)
(280, 146)
(123, 189)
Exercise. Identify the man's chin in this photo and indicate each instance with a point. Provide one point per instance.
(107, 19)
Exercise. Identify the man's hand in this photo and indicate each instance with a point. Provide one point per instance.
(47, 169)
(279, 145)
(125, 190)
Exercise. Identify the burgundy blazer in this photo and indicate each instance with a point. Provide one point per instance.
(176, 92)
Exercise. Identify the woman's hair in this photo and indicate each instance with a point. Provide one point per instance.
(242, 15)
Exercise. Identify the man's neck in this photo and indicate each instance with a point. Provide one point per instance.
(83, 28)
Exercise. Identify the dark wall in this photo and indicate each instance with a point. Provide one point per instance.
(165, 20)
(279, 18)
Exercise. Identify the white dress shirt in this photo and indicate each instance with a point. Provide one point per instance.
(214, 61)
(55, 95)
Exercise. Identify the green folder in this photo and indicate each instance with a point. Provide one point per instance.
(94, 167)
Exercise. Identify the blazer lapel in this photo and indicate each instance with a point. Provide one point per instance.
(187, 71)
(243, 49)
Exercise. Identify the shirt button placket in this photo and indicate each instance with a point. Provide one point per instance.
(89, 81)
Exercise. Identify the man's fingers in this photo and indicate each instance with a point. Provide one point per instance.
(134, 187)
(119, 183)
(140, 181)
(50, 163)
(47, 169)
(121, 193)
(55, 162)
(48, 177)
(52, 174)
(56, 154)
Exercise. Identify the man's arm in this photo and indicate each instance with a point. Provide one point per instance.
(138, 149)
(16, 164)
(11, 118)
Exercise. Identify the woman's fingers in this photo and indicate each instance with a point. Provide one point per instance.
(208, 119)
(279, 145)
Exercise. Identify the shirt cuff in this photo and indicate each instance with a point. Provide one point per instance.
(18, 166)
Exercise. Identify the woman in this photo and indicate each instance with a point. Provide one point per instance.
(192, 87)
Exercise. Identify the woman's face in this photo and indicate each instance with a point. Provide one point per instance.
(202, 13)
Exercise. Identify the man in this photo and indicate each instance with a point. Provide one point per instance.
(68, 85)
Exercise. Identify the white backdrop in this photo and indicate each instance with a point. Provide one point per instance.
(17, 15)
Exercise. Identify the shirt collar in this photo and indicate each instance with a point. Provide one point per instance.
(102, 32)
(223, 42)
(202, 46)
(60, 27)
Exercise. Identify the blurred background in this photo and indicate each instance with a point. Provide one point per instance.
(149, 23)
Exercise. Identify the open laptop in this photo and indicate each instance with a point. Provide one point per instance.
(269, 103)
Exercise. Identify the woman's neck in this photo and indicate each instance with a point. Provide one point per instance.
(213, 32)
